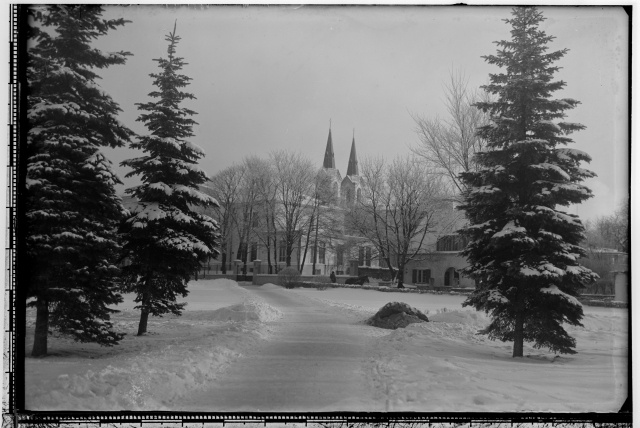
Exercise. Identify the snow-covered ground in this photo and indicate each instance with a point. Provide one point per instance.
(438, 366)
(177, 356)
(445, 366)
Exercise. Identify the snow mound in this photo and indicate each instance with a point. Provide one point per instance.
(395, 315)
(151, 381)
(214, 284)
(270, 286)
(180, 355)
(250, 310)
(472, 318)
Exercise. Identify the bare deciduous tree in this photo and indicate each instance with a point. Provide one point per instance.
(265, 228)
(610, 231)
(225, 187)
(323, 224)
(401, 203)
(449, 144)
(294, 177)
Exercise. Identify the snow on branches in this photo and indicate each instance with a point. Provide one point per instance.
(165, 239)
(71, 208)
(523, 251)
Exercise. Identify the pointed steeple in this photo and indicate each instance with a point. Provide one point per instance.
(329, 160)
(352, 168)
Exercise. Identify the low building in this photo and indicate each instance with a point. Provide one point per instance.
(440, 265)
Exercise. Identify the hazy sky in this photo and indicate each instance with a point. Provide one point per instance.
(270, 78)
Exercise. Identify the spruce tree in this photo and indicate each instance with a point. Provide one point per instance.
(524, 249)
(165, 239)
(71, 209)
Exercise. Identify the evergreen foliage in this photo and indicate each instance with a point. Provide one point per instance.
(71, 208)
(165, 238)
(524, 249)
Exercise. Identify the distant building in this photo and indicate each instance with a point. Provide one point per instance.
(336, 251)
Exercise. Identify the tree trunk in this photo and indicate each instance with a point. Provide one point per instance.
(315, 246)
(224, 262)
(144, 313)
(518, 337)
(142, 326)
(276, 259)
(400, 276)
(306, 247)
(42, 328)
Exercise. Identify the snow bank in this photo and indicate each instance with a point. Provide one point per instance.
(179, 355)
(253, 310)
(369, 301)
(444, 365)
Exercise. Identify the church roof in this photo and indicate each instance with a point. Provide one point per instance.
(352, 168)
(329, 160)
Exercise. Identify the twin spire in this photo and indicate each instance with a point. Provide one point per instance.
(329, 159)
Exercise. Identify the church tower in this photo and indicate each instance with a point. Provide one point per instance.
(352, 168)
(351, 187)
(329, 159)
(329, 169)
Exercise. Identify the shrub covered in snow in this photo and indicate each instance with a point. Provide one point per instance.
(395, 315)
(289, 277)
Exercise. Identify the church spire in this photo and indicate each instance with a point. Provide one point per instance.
(352, 169)
(329, 160)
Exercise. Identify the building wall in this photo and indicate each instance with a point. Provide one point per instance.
(439, 263)
(330, 258)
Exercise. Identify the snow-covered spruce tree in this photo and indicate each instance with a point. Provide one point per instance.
(165, 239)
(524, 250)
(71, 208)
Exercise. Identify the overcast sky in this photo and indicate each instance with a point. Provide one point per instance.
(270, 78)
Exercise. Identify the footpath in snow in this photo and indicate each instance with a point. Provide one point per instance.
(201, 359)
(313, 361)
(178, 355)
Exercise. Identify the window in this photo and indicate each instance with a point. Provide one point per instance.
(368, 256)
(361, 256)
(256, 221)
(358, 195)
(421, 276)
(282, 252)
(321, 252)
(254, 251)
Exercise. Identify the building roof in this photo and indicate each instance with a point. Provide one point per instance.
(329, 160)
(352, 168)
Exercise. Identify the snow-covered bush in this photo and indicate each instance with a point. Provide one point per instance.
(288, 277)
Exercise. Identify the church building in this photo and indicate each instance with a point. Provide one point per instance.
(331, 247)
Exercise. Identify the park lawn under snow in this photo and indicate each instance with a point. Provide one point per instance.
(177, 356)
(444, 365)
(438, 366)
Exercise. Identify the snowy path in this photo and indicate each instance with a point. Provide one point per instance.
(313, 361)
